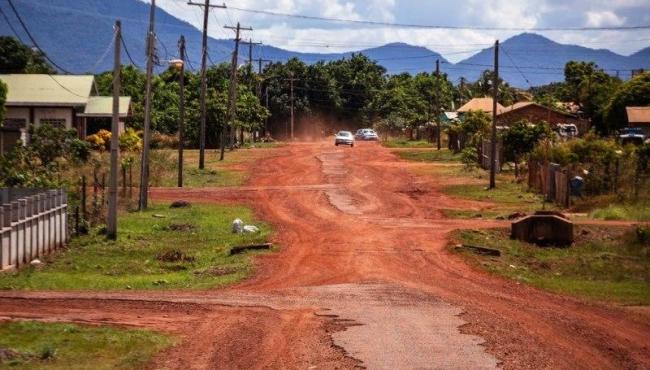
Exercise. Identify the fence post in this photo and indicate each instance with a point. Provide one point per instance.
(15, 240)
(34, 209)
(5, 237)
(40, 200)
(29, 254)
(47, 219)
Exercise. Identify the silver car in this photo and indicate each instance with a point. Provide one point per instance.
(344, 138)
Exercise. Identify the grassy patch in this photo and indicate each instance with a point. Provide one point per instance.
(229, 172)
(404, 143)
(198, 239)
(605, 264)
(444, 155)
(506, 197)
(34, 345)
(636, 212)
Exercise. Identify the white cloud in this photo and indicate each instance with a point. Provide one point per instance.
(604, 19)
(324, 37)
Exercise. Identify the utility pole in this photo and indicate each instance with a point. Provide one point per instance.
(232, 96)
(292, 79)
(181, 110)
(259, 89)
(111, 223)
(204, 84)
(436, 114)
(144, 166)
(495, 96)
(250, 51)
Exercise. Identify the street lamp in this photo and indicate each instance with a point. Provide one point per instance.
(179, 65)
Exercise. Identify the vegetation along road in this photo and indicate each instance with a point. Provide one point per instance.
(364, 276)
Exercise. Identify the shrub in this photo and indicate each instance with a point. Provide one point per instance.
(643, 234)
(162, 141)
(469, 157)
(130, 141)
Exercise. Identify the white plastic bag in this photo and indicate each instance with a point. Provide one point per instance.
(237, 226)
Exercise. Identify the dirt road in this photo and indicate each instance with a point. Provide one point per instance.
(363, 278)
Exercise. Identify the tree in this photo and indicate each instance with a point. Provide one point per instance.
(591, 88)
(3, 100)
(520, 139)
(635, 92)
(18, 58)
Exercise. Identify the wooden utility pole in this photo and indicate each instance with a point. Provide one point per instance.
(436, 114)
(232, 96)
(144, 165)
(250, 51)
(495, 96)
(292, 79)
(259, 89)
(111, 222)
(181, 110)
(204, 85)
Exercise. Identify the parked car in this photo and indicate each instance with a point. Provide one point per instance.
(567, 130)
(366, 134)
(632, 135)
(344, 138)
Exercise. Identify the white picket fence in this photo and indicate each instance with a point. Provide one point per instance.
(33, 223)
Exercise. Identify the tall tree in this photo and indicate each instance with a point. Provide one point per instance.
(18, 58)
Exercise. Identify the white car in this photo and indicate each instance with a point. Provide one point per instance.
(366, 134)
(344, 138)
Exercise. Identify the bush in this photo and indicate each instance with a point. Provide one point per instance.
(469, 157)
(643, 234)
(162, 141)
(131, 141)
(101, 140)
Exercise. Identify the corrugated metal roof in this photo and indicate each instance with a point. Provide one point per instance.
(47, 90)
(102, 106)
(484, 104)
(638, 114)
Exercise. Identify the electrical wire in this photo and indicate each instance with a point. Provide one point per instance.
(432, 26)
(31, 37)
(126, 51)
(519, 70)
(11, 27)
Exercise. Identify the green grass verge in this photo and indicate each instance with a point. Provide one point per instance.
(35, 345)
(636, 212)
(433, 155)
(403, 143)
(149, 253)
(506, 197)
(604, 264)
(215, 174)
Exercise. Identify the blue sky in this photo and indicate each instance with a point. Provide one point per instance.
(322, 36)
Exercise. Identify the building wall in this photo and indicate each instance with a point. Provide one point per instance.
(41, 114)
(535, 113)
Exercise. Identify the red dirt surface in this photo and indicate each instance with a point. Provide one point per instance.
(363, 278)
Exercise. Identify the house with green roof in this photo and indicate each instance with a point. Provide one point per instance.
(63, 100)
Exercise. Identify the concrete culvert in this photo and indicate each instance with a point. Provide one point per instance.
(544, 229)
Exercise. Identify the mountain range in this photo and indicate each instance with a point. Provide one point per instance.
(77, 34)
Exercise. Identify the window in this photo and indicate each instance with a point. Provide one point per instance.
(15, 123)
(56, 122)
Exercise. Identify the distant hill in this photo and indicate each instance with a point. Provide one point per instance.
(77, 34)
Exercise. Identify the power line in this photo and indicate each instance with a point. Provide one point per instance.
(11, 4)
(11, 27)
(431, 26)
(126, 50)
(519, 70)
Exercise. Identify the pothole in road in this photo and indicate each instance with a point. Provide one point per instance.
(333, 168)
